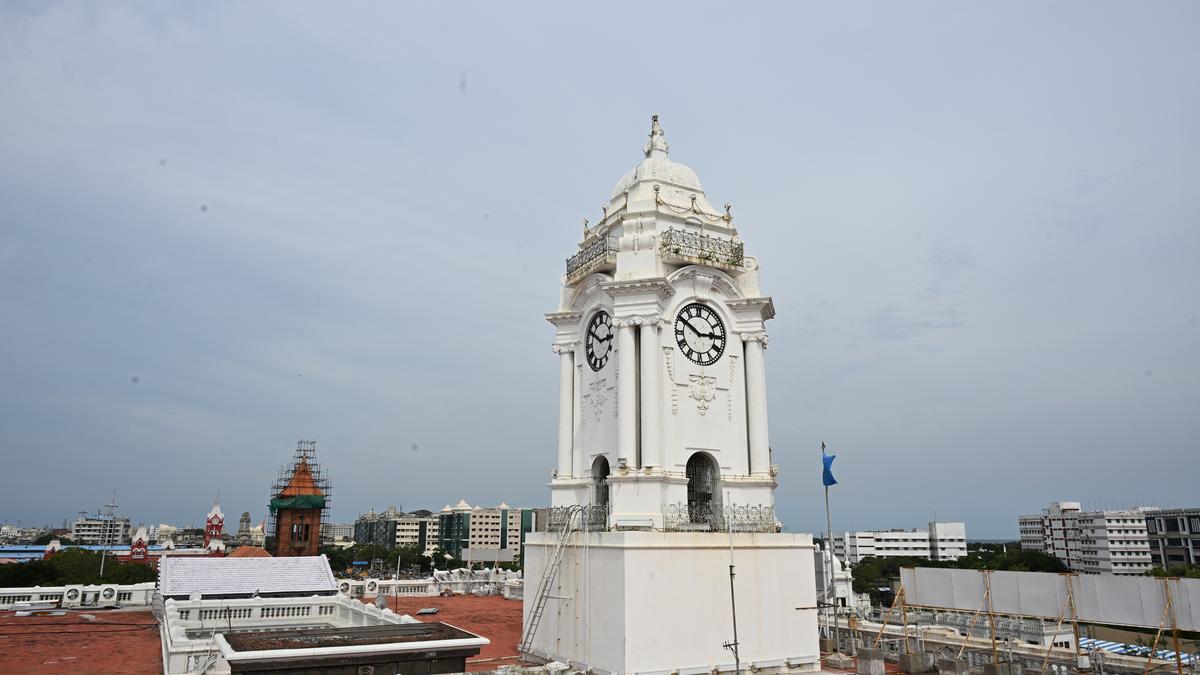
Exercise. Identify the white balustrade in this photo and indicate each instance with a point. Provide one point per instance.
(79, 595)
(188, 626)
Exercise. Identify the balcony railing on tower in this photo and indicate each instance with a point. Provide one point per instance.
(707, 517)
(594, 517)
(593, 257)
(681, 246)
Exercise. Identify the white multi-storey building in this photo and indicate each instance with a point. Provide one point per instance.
(1174, 537)
(338, 531)
(941, 541)
(1092, 542)
(480, 534)
(101, 530)
(395, 528)
(418, 531)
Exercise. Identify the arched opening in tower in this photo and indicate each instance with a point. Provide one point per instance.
(703, 476)
(600, 481)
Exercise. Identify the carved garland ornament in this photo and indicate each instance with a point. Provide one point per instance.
(703, 391)
(617, 389)
(669, 354)
(638, 320)
(597, 397)
(729, 390)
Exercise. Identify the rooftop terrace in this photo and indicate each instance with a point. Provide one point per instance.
(93, 642)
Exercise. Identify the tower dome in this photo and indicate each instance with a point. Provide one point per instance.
(676, 182)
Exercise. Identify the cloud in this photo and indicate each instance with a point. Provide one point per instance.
(941, 218)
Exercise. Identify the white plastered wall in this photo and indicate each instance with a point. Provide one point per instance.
(651, 602)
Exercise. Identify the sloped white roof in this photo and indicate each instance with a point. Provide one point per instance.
(304, 575)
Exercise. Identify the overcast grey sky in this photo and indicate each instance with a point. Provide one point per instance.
(226, 227)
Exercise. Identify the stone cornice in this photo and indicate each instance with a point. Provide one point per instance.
(640, 319)
(659, 285)
(765, 306)
(563, 318)
(557, 481)
(563, 349)
(754, 336)
(753, 480)
(647, 475)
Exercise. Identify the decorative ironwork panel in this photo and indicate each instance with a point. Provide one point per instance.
(702, 248)
(700, 517)
(559, 515)
(593, 517)
(591, 257)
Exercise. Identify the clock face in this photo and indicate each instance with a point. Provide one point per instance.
(599, 340)
(700, 334)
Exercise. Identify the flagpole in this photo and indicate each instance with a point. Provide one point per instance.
(831, 583)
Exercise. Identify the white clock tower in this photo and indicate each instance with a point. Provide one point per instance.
(663, 446)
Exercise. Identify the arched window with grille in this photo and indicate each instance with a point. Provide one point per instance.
(703, 495)
(600, 481)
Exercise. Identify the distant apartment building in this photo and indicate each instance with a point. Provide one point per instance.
(478, 534)
(1090, 542)
(101, 530)
(393, 528)
(377, 528)
(419, 530)
(338, 531)
(1174, 537)
(941, 541)
(11, 534)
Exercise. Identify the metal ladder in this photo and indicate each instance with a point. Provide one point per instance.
(547, 582)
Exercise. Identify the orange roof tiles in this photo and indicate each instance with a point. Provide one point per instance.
(249, 552)
(302, 482)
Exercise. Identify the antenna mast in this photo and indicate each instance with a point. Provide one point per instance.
(108, 518)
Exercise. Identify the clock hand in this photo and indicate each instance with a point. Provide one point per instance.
(698, 333)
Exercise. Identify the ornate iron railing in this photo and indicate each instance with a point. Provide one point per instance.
(594, 517)
(701, 248)
(594, 255)
(683, 517)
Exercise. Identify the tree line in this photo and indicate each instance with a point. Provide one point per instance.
(74, 566)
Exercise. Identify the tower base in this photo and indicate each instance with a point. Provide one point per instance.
(659, 602)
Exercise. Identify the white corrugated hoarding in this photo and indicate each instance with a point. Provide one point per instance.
(1099, 598)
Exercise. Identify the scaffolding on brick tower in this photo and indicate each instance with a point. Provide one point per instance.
(303, 462)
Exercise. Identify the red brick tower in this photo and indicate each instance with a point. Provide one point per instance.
(298, 505)
(138, 548)
(214, 525)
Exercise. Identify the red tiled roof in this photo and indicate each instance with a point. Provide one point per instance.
(302, 482)
(249, 552)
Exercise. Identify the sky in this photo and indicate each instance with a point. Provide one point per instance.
(225, 227)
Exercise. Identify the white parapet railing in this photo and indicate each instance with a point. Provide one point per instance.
(79, 595)
(188, 627)
(459, 582)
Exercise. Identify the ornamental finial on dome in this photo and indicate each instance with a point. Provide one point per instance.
(657, 145)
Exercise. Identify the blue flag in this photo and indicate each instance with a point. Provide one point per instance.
(827, 475)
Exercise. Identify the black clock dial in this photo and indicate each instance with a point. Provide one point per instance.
(700, 334)
(599, 340)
